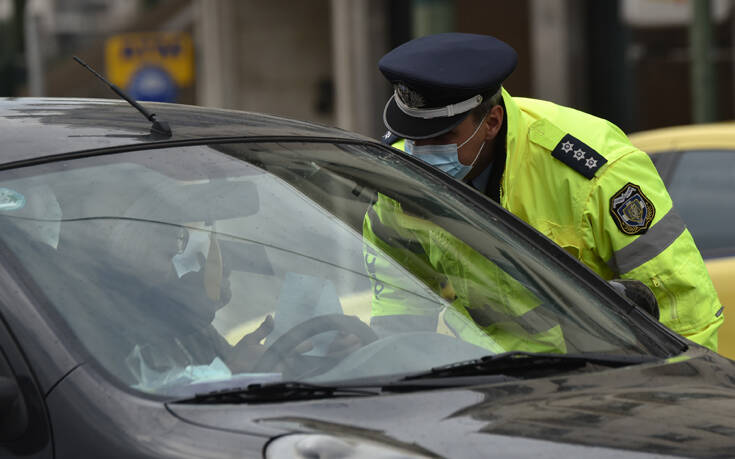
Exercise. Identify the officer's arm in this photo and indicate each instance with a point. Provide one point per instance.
(489, 307)
(395, 261)
(639, 235)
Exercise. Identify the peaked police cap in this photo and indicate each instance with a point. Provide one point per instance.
(438, 80)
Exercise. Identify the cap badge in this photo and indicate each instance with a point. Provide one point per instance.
(409, 96)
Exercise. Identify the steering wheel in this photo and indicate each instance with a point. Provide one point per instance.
(287, 342)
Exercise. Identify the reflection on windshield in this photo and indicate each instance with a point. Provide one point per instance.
(188, 269)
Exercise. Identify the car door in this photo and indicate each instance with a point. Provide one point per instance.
(700, 183)
(24, 429)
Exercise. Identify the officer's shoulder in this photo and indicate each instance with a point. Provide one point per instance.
(566, 147)
(389, 138)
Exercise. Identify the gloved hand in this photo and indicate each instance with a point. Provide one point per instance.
(639, 293)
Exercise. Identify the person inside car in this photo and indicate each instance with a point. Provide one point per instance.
(188, 296)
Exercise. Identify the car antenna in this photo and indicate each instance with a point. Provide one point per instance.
(158, 127)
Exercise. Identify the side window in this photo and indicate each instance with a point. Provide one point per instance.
(5, 370)
(702, 191)
(13, 412)
(24, 430)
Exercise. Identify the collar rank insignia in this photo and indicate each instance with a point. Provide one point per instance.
(578, 155)
(389, 138)
(631, 210)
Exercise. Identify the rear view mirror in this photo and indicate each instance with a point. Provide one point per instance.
(13, 414)
(639, 293)
(215, 200)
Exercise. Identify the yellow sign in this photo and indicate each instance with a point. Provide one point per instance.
(173, 52)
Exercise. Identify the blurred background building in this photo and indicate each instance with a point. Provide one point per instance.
(639, 63)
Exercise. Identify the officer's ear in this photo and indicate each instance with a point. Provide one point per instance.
(494, 121)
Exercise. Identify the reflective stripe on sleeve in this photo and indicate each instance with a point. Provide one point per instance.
(535, 321)
(648, 245)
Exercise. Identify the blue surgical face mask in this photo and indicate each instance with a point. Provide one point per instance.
(445, 157)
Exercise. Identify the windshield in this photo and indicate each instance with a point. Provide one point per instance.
(190, 268)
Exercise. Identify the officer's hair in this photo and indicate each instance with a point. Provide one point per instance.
(488, 102)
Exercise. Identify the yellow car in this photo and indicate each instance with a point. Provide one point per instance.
(697, 163)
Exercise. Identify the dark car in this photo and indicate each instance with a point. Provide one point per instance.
(213, 293)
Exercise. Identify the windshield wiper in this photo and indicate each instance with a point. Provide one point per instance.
(276, 392)
(491, 369)
(528, 365)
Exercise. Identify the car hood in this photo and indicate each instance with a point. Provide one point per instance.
(683, 406)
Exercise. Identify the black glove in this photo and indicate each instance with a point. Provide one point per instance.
(639, 293)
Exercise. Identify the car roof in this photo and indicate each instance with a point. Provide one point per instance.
(32, 128)
(698, 136)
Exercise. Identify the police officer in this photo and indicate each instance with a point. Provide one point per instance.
(574, 177)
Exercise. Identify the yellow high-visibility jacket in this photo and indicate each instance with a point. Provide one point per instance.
(577, 179)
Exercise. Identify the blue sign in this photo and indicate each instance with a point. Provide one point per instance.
(152, 83)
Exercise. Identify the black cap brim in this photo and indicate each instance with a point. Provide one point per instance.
(413, 128)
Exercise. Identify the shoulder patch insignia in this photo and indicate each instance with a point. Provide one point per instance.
(578, 155)
(389, 138)
(631, 210)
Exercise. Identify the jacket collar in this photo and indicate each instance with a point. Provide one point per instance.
(513, 116)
